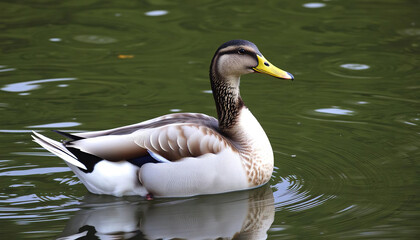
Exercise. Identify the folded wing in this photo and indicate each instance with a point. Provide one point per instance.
(169, 139)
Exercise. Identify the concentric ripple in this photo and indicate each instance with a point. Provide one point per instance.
(364, 65)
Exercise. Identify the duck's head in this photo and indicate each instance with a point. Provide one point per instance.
(238, 57)
(232, 60)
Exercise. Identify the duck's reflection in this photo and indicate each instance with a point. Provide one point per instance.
(238, 215)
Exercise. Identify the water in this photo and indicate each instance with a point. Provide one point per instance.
(345, 133)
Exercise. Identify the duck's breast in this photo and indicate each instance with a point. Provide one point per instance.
(207, 174)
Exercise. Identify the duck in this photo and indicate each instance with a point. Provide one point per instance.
(181, 154)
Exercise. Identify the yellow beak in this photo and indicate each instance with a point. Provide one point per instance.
(266, 67)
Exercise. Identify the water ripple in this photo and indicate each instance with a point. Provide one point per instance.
(35, 171)
(314, 5)
(31, 85)
(156, 13)
(289, 196)
(95, 39)
(335, 111)
(4, 69)
(350, 66)
(56, 125)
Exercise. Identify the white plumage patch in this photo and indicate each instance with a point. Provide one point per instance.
(158, 157)
(57, 149)
(115, 178)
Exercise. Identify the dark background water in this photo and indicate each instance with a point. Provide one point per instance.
(345, 133)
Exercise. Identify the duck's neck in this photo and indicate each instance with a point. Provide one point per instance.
(227, 98)
(242, 128)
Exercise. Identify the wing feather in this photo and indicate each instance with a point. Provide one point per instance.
(174, 118)
(164, 144)
(195, 136)
(179, 141)
(112, 148)
(193, 145)
(154, 140)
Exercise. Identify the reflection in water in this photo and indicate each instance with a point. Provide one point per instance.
(314, 5)
(336, 111)
(31, 85)
(355, 66)
(95, 39)
(56, 125)
(55, 39)
(3, 69)
(240, 215)
(156, 13)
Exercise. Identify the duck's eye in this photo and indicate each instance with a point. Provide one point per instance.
(241, 51)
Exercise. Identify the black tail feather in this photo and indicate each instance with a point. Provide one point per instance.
(87, 159)
(68, 135)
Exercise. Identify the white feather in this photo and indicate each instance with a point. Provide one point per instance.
(158, 157)
(58, 149)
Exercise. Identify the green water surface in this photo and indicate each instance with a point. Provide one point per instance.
(345, 133)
